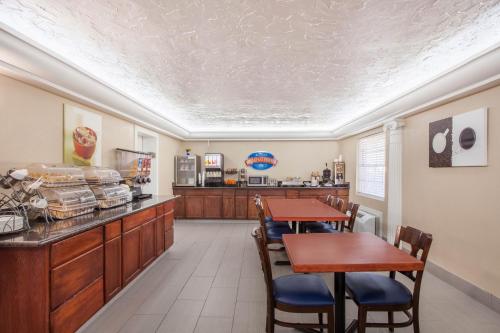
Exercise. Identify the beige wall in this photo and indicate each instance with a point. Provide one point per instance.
(459, 206)
(32, 127)
(295, 158)
(348, 149)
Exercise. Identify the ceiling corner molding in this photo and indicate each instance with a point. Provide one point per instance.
(478, 74)
(27, 63)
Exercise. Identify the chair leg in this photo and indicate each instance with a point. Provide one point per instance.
(390, 316)
(331, 321)
(320, 318)
(416, 323)
(270, 319)
(361, 320)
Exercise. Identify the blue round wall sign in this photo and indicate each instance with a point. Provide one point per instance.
(261, 160)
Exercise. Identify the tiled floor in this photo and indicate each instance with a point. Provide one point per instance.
(211, 281)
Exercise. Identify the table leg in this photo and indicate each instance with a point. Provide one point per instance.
(339, 289)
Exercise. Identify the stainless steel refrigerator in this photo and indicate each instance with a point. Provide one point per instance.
(187, 170)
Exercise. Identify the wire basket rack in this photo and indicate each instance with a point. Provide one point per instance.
(13, 217)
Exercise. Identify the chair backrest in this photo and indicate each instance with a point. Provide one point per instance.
(341, 206)
(353, 209)
(265, 261)
(328, 198)
(262, 216)
(420, 243)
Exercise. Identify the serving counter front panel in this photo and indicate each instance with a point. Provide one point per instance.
(238, 203)
(55, 277)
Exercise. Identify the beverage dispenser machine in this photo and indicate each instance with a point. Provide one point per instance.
(214, 169)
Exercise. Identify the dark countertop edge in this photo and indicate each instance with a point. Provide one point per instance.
(343, 186)
(8, 243)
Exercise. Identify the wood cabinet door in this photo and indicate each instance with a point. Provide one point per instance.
(169, 220)
(148, 244)
(160, 234)
(228, 207)
(131, 258)
(180, 207)
(212, 207)
(169, 238)
(240, 207)
(252, 210)
(112, 267)
(193, 206)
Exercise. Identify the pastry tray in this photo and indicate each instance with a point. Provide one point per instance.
(56, 175)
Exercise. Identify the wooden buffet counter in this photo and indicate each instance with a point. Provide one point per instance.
(56, 276)
(237, 202)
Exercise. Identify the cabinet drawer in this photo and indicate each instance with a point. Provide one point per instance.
(168, 206)
(75, 312)
(160, 210)
(113, 230)
(228, 192)
(240, 193)
(74, 246)
(73, 276)
(343, 192)
(132, 221)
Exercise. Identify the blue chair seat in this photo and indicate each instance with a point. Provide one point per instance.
(302, 290)
(277, 233)
(277, 225)
(328, 231)
(318, 226)
(273, 224)
(375, 289)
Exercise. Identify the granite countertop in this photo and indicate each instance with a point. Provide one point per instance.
(346, 185)
(42, 233)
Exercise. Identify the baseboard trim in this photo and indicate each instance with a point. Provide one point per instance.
(480, 295)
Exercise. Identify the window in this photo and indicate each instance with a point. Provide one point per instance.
(371, 166)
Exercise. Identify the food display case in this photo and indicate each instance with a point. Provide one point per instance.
(105, 183)
(71, 201)
(111, 195)
(56, 175)
(98, 175)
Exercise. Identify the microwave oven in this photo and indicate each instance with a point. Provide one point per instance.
(257, 180)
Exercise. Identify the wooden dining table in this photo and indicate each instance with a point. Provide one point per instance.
(340, 253)
(303, 211)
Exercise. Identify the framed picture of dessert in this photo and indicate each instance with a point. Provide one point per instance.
(82, 136)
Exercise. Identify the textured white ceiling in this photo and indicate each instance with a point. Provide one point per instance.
(250, 65)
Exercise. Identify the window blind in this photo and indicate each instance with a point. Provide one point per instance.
(371, 166)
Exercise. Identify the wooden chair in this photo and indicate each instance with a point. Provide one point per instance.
(297, 293)
(274, 231)
(375, 292)
(313, 227)
(340, 226)
(353, 209)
